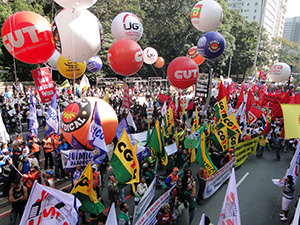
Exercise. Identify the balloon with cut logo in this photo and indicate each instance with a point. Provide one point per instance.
(76, 120)
(211, 45)
(67, 68)
(125, 57)
(194, 54)
(159, 63)
(280, 72)
(206, 15)
(52, 61)
(78, 35)
(94, 64)
(27, 36)
(76, 4)
(182, 72)
(150, 55)
(128, 26)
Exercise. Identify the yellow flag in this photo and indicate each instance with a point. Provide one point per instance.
(84, 184)
(291, 116)
(176, 138)
(106, 98)
(194, 128)
(170, 120)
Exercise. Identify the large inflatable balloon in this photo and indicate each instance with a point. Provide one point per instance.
(182, 72)
(127, 25)
(52, 61)
(67, 67)
(206, 15)
(211, 45)
(28, 37)
(77, 117)
(76, 4)
(78, 35)
(94, 64)
(194, 54)
(159, 63)
(280, 72)
(125, 57)
(150, 55)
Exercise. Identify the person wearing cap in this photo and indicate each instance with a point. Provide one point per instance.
(172, 178)
(48, 176)
(288, 190)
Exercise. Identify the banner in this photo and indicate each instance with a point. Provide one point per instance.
(214, 182)
(243, 149)
(142, 136)
(47, 205)
(144, 202)
(126, 100)
(149, 216)
(75, 156)
(291, 116)
(171, 149)
(44, 84)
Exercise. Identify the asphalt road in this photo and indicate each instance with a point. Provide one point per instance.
(259, 198)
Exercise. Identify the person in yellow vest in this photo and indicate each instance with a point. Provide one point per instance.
(48, 176)
(48, 144)
(96, 180)
(262, 142)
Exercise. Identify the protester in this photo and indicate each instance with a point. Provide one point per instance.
(31, 176)
(123, 218)
(187, 178)
(17, 197)
(48, 147)
(140, 190)
(77, 173)
(48, 176)
(202, 176)
(164, 215)
(262, 142)
(288, 190)
(182, 210)
(172, 178)
(190, 194)
(96, 180)
(113, 190)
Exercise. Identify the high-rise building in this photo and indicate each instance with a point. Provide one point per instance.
(291, 30)
(272, 11)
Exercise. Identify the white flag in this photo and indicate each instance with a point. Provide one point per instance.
(230, 213)
(164, 109)
(84, 83)
(130, 121)
(202, 221)
(4, 136)
(50, 206)
(293, 169)
(112, 216)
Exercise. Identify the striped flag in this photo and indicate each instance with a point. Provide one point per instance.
(65, 84)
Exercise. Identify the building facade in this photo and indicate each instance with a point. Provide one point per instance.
(272, 12)
(291, 30)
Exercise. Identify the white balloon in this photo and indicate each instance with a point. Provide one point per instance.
(52, 61)
(77, 35)
(280, 72)
(206, 15)
(127, 25)
(150, 55)
(76, 4)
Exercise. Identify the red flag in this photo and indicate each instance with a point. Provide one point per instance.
(173, 107)
(240, 100)
(228, 92)
(190, 106)
(250, 101)
(262, 75)
(179, 107)
(282, 132)
(297, 98)
(253, 114)
(267, 129)
(222, 92)
(254, 88)
(163, 98)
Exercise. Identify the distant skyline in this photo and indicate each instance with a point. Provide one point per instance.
(293, 8)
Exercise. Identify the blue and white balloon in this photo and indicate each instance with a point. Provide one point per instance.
(94, 64)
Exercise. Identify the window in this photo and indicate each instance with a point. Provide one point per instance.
(254, 17)
(256, 3)
(255, 10)
(247, 3)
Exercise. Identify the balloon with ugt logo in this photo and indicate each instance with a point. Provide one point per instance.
(27, 36)
(182, 72)
(76, 120)
(125, 57)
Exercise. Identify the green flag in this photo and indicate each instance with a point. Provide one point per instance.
(156, 141)
(193, 140)
(88, 205)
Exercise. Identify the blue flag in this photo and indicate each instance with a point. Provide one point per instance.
(51, 118)
(121, 126)
(75, 144)
(33, 122)
(96, 135)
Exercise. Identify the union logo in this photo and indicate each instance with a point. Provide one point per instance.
(214, 46)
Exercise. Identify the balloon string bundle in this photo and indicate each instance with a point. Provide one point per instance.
(154, 70)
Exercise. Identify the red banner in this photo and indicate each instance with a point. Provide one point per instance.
(126, 100)
(44, 83)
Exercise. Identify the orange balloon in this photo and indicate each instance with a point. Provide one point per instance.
(160, 62)
(194, 54)
(77, 117)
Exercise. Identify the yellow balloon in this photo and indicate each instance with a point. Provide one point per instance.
(66, 67)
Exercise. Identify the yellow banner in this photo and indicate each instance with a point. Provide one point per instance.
(223, 108)
(124, 151)
(231, 123)
(243, 150)
(233, 141)
(84, 184)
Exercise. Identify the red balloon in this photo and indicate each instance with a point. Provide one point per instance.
(182, 72)
(28, 37)
(125, 57)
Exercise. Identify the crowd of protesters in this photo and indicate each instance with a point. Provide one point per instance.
(20, 159)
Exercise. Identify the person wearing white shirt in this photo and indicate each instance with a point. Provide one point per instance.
(140, 190)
